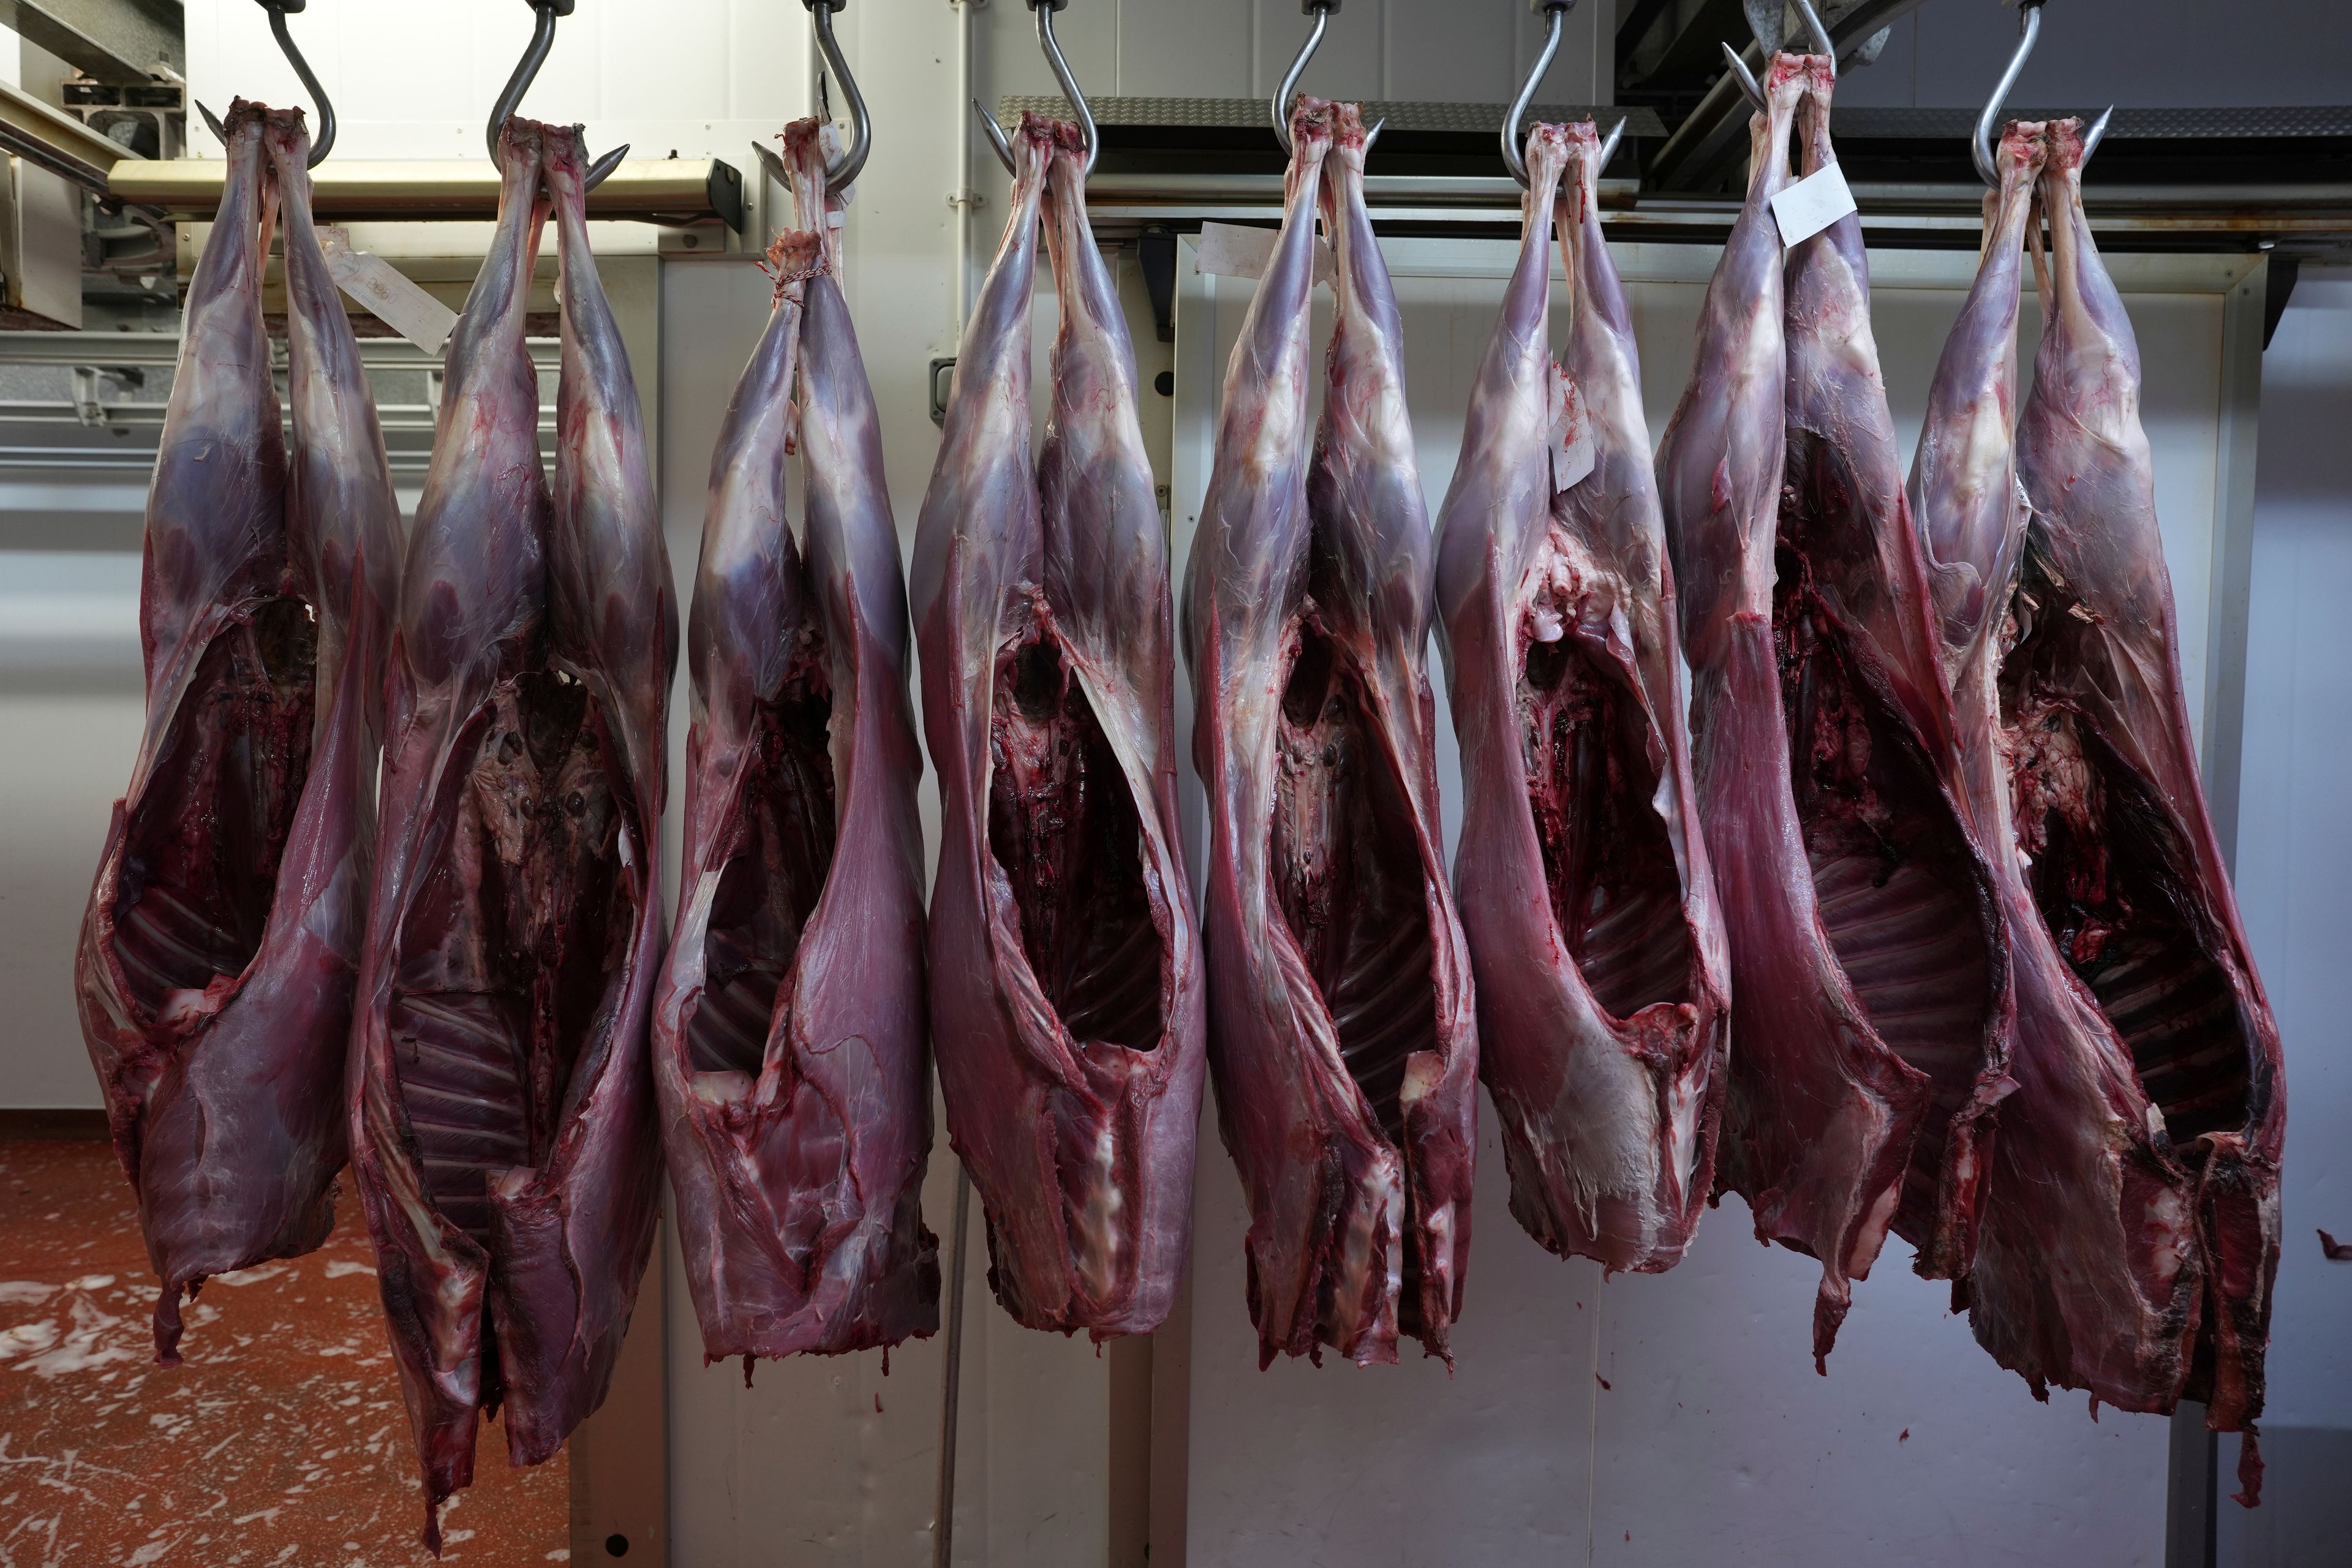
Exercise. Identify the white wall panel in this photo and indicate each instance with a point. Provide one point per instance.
(2295, 884)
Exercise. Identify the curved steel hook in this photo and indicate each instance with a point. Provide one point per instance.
(1555, 17)
(542, 38)
(325, 140)
(846, 168)
(2029, 26)
(1088, 133)
(1321, 11)
(1980, 145)
(1052, 47)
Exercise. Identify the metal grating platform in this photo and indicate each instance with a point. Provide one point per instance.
(2129, 125)
(1251, 113)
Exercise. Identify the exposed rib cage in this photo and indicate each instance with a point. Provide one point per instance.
(1583, 875)
(1066, 975)
(788, 1031)
(221, 945)
(1343, 1036)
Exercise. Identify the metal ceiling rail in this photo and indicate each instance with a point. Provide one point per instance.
(121, 45)
(161, 350)
(2163, 215)
(1401, 115)
(651, 190)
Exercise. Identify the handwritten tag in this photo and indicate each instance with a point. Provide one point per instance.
(1574, 453)
(1230, 250)
(1811, 205)
(387, 294)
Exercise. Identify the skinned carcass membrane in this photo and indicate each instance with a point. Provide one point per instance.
(1902, 884)
(2131, 1228)
(789, 1041)
(1581, 874)
(1821, 1112)
(222, 943)
(1065, 976)
(502, 1123)
(1343, 1035)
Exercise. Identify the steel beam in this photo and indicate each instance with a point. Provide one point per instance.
(661, 190)
(121, 42)
(1714, 131)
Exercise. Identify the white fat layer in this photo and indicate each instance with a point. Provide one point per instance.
(2169, 1218)
(1097, 1235)
(1872, 1234)
(1605, 1121)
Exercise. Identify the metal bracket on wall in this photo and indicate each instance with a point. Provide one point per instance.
(1155, 252)
(941, 381)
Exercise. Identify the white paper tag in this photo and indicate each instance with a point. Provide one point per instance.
(386, 292)
(1574, 452)
(1811, 205)
(1230, 250)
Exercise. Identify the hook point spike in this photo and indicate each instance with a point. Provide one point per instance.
(602, 169)
(996, 137)
(212, 121)
(2097, 133)
(1745, 77)
(1609, 146)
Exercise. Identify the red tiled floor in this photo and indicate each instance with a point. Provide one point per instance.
(282, 1440)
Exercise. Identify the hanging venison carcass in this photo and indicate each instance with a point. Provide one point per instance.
(1343, 1036)
(501, 1106)
(1821, 1113)
(789, 1045)
(2128, 870)
(222, 943)
(2087, 1270)
(1066, 981)
(2132, 1231)
(1582, 874)
(1902, 886)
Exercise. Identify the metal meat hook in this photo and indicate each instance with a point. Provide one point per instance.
(542, 38)
(320, 144)
(1321, 11)
(1822, 45)
(1070, 83)
(846, 168)
(1980, 145)
(1555, 16)
(325, 140)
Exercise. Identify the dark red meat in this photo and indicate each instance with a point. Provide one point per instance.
(222, 941)
(1343, 1036)
(1066, 979)
(501, 1105)
(1583, 875)
(788, 1031)
(2131, 1228)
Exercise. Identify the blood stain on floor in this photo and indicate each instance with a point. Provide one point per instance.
(282, 1441)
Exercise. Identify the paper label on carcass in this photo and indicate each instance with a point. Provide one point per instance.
(1573, 450)
(1230, 250)
(1811, 205)
(387, 294)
